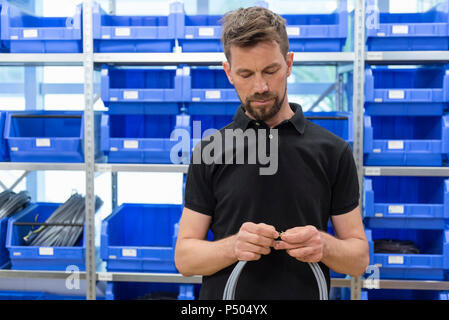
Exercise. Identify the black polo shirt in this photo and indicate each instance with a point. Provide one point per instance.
(316, 177)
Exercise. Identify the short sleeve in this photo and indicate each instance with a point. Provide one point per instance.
(199, 195)
(345, 189)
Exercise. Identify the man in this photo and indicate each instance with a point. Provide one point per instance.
(316, 180)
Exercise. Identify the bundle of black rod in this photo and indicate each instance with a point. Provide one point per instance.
(64, 227)
(11, 202)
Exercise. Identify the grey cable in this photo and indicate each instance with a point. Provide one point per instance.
(231, 284)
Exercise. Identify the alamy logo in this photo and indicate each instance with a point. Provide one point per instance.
(228, 146)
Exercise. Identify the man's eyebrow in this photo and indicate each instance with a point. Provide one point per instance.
(243, 70)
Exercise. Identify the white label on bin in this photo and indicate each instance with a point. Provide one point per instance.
(189, 36)
(43, 142)
(213, 94)
(106, 36)
(399, 29)
(377, 150)
(399, 209)
(372, 171)
(104, 276)
(381, 34)
(379, 215)
(395, 260)
(113, 149)
(14, 38)
(206, 32)
(14, 149)
(113, 99)
(112, 257)
(196, 99)
(378, 100)
(131, 144)
(131, 94)
(45, 251)
(293, 31)
(17, 254)
(396, 145)
(396, 94)
(129, 252)
(30, 33)
(122, 32)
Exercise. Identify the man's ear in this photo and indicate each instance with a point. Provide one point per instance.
(289, 61)
(227, 69)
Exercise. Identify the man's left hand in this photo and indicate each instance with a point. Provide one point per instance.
(303, 243)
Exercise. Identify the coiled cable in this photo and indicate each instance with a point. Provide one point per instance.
(231, 284)
(11, 202)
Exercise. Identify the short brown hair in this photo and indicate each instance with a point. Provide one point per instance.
(247, 27)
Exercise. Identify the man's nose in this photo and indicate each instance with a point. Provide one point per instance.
(260, 85)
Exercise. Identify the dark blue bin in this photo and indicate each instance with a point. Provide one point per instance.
(407, 31)
(339, 123)
(140, 238)
(24, 33)
(318, 32)
(149, 291)
(398, 294)
(431, 263)
(24, 257)
(4, 150)
(114, 33)
(48, 136)
(411, 91)
(406, 141)
(406, 202)
(146, 138)
(147, 90)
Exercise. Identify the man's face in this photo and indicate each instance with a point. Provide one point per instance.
(259, 75)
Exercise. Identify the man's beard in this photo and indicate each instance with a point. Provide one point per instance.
(265, 112)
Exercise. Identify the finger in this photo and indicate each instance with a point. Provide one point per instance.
(256, 239)
(282, 245)
(262, 229)
(299, 234)
(246, 246)
(248, 256)
(301, 253)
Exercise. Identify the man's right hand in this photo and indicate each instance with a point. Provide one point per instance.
(254, 240)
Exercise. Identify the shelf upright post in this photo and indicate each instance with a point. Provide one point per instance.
(89, 154)
(358, 110)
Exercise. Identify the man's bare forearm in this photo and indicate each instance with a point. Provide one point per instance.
(349, 256)
(202, 257)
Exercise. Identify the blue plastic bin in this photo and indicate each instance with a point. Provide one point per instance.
(406, 141)
(147, 90)
(412, 91)
(407, 31)
(339, 123)
(318, 32)
(114, 33)
(140, 238)
(406, 202)
(397, 294)
(24, 257)
(146, 138)
(48, 136)
(430, 264)
(207, 85)
(4, 150)
(149, 291)
(24, 33)
(306, 32)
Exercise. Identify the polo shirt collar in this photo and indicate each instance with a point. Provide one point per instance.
(241, 120)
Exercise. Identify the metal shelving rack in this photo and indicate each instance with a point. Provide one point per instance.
(346, 61)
